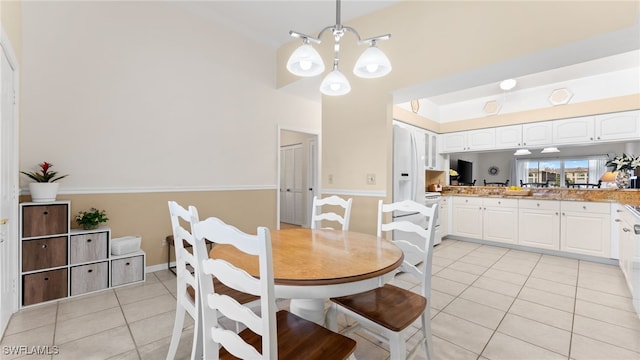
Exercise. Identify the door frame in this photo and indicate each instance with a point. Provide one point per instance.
(316, 191)
(10, 167)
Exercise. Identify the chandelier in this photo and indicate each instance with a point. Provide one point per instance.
(306, 61)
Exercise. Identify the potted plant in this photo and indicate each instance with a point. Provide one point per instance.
(45, 188)
(623, 166)
(91, 219)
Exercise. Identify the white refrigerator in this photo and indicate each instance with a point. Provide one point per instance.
(408, 178)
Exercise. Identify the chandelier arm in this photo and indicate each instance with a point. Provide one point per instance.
(375, 38)
(302, 36)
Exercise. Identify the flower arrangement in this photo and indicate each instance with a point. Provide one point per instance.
(453, 173)
(91, 219)
(624, 162)
(44, 175)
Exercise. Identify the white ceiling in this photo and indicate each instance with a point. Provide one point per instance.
(269, 22)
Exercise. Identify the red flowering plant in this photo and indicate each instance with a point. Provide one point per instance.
(45, 174)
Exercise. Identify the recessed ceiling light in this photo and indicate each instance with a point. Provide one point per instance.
(508, 84)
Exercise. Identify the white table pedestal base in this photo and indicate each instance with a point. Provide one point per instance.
(310, 309)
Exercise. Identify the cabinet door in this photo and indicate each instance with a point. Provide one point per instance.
(432, 159)
(443, 214)
(88, 247)
(508, 137)
(454, 142)
(586, 233)
(42, 220)
(482, 139)
(539, 228)
(44, 286)
(44, 253)
(500, 224)
(618, 126)
(537, 134)
(573, 131)
(90, 277)
(467, 217)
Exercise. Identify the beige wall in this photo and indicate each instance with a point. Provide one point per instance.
(432, 40)
(11, 20)
(147, 214)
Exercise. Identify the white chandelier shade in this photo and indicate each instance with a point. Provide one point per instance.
(373, 63)
(335, 84)
(305, 61)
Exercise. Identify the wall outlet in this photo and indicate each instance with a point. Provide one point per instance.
(164, 242)
(371, 179)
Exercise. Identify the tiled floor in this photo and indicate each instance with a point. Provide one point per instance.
(488, 303)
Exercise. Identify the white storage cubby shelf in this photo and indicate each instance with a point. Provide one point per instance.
(57, 262)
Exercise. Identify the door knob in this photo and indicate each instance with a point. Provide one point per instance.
(4, 221)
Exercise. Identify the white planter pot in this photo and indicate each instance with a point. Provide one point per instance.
(43, 192)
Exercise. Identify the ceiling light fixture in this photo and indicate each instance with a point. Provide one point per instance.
(306, 61)
(550, 150)
(520, 152)
(508, 84)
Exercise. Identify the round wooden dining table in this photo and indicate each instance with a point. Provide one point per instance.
(310, 266)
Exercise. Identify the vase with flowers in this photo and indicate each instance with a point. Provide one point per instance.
(45, 188)
(91, 219)
(623, 165)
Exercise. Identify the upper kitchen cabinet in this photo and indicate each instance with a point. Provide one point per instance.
(473, 140)
(432, 159)
(537, 134)
(618, 126)
(508, 137)
(573, 131)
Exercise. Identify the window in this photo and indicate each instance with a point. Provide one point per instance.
(560, 172)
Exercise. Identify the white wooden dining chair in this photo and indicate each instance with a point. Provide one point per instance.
(185, 298)
(270, 335)
(317, 216)
(188, 287)
(387, 312)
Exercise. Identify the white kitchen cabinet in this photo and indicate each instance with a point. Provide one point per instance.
(443, 213)
(508, 137)
(537, 134)
(454, 142)
(539, 223)
(500, 220)
(467, 217)
(585, 228)
(492, 219)
(618, 126)
(472, 140)
(432, 158)
(573, 131)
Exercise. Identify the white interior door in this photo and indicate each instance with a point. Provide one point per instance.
(8, 188)
(291, 185)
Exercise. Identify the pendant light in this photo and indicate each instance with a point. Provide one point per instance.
(305, 60)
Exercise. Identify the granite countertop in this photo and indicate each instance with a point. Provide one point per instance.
(624, 196)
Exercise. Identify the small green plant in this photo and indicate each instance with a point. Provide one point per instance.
(92, 218)
(45, 174)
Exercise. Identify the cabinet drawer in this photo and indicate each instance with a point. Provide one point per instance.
(44, 253)
(467, 200)
(42, 220)
(586, 207)
(88, 247)
(500, 202)
(540, 204)
(127, 270)
(44, 286)
(90, 277)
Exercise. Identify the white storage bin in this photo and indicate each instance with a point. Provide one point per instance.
(125, 245)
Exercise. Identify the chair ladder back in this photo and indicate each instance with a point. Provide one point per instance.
(265, 325)
(317, 216)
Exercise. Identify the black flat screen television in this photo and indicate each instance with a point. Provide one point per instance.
(465, 170)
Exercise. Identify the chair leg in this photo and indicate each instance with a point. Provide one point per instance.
(426, 332)
(397, 346)
(177, 331)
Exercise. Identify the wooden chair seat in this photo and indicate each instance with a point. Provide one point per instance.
(301, 339)
(389, 306)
